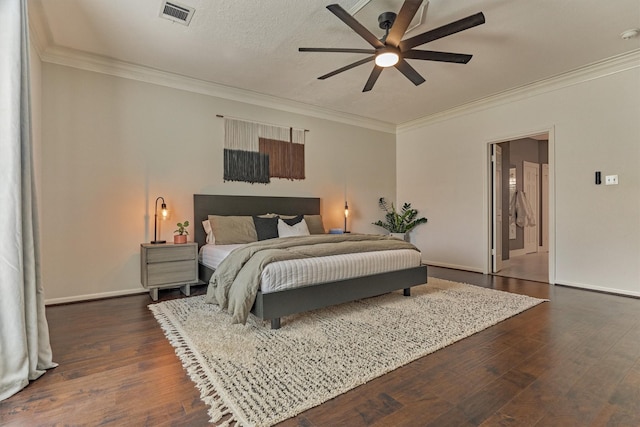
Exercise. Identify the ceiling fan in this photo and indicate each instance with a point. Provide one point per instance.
(391, 50)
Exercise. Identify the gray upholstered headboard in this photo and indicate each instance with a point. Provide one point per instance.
(206, 204)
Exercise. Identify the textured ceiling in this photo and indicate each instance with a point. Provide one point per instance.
(253, 45)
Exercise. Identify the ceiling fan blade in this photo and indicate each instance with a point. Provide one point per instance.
(406, 14)
(331, 49)
(347, 67)
(409, 72)
(344, 16)
(445, 30)
(373, 77)
(430, 55)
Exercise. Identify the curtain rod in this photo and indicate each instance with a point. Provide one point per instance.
(260, 123)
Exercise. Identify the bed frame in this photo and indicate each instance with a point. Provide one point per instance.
(272, 306)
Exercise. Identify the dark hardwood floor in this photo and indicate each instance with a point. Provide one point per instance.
(574, 361)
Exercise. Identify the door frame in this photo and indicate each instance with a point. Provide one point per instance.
(488, 192)
(496, 217)
(544, 199)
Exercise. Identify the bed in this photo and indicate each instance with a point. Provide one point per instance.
(273, 306)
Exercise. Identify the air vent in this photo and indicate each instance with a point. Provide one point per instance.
(176, 12)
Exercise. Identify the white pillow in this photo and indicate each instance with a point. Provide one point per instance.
(209, 232)
(286, 230)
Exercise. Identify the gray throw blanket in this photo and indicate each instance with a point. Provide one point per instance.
(236, 281)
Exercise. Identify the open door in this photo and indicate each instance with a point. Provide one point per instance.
(530, 187)
(496, 250)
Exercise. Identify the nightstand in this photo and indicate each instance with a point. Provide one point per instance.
(168, 266)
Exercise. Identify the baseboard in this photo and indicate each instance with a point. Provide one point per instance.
(454, 266)
(601, 289)
(89, 297)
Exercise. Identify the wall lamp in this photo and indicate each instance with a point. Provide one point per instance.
(164, 214)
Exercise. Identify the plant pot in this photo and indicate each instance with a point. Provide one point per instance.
(400, 236)
(180, 238)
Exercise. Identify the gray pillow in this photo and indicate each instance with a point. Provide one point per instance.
(266, 228)
(314, 222)
(230, 230)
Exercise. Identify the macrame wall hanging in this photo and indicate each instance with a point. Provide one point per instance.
(256, 152)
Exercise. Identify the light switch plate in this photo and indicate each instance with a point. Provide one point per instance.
(611, 180)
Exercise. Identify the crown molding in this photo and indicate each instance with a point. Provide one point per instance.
(89, 62)
(594, 71)
(100, 64)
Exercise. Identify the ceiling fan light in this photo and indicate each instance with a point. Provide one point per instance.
(387, 59)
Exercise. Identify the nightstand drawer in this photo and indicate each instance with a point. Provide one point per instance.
(171, 272)
(170, 253)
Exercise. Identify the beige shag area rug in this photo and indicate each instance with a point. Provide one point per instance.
(250, 375)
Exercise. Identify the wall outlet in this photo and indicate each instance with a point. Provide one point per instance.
(611, 180)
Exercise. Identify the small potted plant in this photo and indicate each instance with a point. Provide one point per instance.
(181, 237)
(399, 223)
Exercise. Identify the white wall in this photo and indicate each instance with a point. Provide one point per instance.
(112, 145)
(442, 169)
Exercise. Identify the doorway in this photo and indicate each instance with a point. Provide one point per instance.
(520, 210)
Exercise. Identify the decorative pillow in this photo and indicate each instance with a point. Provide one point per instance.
(266, 228)
(211, 238)
(314, 222)
(231, 230)
(298, 229)
(292, 220)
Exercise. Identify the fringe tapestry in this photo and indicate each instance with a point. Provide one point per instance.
(255, 152)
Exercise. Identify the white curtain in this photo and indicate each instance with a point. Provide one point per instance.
(25, 351)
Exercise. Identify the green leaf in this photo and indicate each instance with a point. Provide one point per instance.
(398, 222)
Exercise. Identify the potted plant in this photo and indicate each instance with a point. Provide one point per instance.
(399, 223)
(181, 237)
